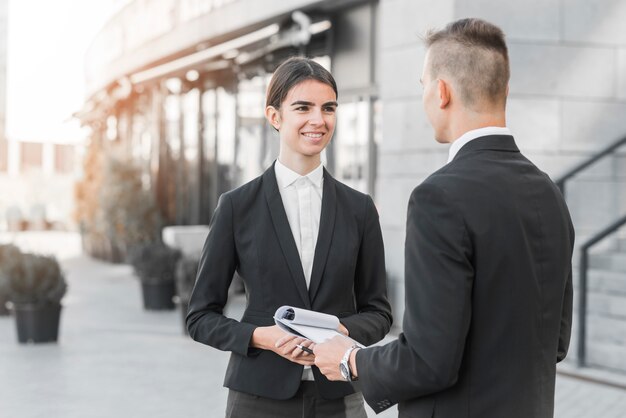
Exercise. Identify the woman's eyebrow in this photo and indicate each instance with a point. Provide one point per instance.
(305, 103)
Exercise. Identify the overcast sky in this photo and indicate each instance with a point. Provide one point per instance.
(46, 45)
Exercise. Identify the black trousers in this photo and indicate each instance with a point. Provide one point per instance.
(305, 404)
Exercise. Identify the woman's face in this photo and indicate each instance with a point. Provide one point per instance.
(305, 121)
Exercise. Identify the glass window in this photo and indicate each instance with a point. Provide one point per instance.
(63, 158)
(209, 179)
(4, 155)
(352, 144)
(191, 155)
(251, 144)
(226, 122)
(209, 113)
(218, 148)
(111, 128)
(32, 155)
(141, 143)
(172, 125)
(191, 104)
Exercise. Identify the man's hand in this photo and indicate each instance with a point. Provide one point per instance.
(328, 355)
(275, 339)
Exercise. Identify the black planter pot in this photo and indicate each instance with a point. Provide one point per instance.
(158, 296)
(37, 323)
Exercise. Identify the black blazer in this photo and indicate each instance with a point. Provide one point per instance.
(488, 292)
(250, 233)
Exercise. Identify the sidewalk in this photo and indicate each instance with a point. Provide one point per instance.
(116, 360)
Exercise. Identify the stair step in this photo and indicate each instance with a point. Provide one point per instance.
(604, 330)
(604, 281)
(607, 305)
(605, 355)
(612, 261)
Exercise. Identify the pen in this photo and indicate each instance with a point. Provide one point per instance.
(305, 349)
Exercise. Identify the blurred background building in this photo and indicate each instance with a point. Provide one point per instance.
(175, 96)
(4, 9)
(182, 89)
(38, 161)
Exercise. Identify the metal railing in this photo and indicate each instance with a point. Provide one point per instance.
(586, 246)
(586, 163)
(582, 292)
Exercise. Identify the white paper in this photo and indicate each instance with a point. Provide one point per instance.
(315, 326)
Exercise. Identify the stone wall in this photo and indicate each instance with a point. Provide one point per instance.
(567, 100)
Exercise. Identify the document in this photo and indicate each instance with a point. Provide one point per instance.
(315, 326)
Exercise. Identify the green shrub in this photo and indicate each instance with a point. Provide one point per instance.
(9, 254)
(32, 279)
(154, 262)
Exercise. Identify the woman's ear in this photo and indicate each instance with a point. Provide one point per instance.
(273, 117)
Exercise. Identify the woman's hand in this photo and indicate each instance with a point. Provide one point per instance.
(285, 345)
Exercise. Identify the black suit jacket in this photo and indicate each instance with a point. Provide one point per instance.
(488, 292)
(250, 233)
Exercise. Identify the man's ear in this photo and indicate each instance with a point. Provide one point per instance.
(273, 117)
(444, 92)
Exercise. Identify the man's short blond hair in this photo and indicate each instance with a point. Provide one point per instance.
(473, 53)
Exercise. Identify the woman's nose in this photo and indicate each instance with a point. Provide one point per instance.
(316, 118)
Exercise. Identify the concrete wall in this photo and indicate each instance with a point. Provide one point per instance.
(567, 100)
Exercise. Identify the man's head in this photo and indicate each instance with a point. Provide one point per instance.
(469, 62)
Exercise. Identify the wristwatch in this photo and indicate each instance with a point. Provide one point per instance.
(344, 366)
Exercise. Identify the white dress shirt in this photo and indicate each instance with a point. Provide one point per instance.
(473, 134)
(302, 199)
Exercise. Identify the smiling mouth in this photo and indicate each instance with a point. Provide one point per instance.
(313, 135)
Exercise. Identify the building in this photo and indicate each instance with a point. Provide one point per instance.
(37, 190)
(4, 10)
(36, 176)
(184, 90)
(179, 86)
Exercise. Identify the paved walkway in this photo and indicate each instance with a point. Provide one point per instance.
(116, 360)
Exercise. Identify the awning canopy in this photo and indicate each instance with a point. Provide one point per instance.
(233, 53)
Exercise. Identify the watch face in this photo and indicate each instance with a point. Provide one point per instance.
(345, 372)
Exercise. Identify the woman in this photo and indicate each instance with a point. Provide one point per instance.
(297, 237)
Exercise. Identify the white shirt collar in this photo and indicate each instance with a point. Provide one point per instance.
(473, 134)
(285, 176)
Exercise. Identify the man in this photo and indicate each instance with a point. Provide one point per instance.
(487, 258)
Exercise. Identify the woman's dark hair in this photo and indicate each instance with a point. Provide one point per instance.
(291, 72)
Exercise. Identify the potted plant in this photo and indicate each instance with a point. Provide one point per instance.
(115, 210)
(186, 272)
(155, 265)
(36, 286)
(8, 252)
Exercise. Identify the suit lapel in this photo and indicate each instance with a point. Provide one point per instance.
(325, 234)
(283, 232)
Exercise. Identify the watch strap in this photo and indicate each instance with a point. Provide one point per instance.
(346, 361)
